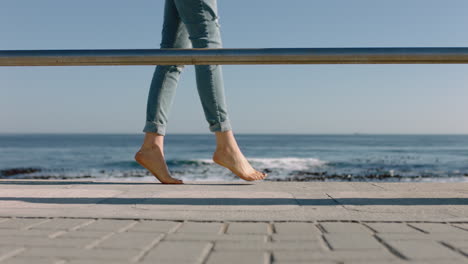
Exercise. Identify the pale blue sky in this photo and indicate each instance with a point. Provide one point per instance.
(261, 98)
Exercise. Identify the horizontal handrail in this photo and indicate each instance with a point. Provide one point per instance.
(397, 55)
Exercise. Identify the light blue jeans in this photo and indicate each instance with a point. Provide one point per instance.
(187, 24)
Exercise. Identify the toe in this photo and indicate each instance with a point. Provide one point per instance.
(178, 181)
(259, 175)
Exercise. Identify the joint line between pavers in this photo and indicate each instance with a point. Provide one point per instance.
(35, 224)
(453, 248)
(336, 201)
(385, 244)
(326, 243)
(376, 185)
(176, 227)
(417, 228)
(146, 249)
(127, 227)
(337, 221)
(57, 234)
(63, 232)
(392, 250)
(224, 228)
(91, 220)
(83, 224)
(321, 228)
(221, 230)
(12, 254)
(206, 253)
(374, 231)
(271, 228)
(459, 227)
(99, 240)
(268, 257)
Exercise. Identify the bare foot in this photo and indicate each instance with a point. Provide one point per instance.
(153, 160)
(234, 160)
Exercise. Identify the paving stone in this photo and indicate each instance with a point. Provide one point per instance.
(293, 228)
(106, 225)
(437, 228)
(195, 227)
(45, 242)
(342, 255)
(31, 260)
(129, 240)
(248, 228)
(18, 223)
(422, 236)
(26, 233)
(73, 253)
(190, 252)
(154, 226)
(376, 262)
(449, 236)
(292, 242)
(298, 237)
(339, 227)
(422, 250)
(95, 261)
(228, 257)
(392, 228)
(60, 224)
(315, 262)
(446, 261)
(268, 246)
(219, 237)
(84, 234)
(340, 241)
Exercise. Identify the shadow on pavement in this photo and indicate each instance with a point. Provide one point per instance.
(244, 201)
(64, 182)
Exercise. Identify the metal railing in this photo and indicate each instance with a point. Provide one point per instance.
(397, 55)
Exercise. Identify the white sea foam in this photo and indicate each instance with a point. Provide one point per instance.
(285, 163)
(288, 163)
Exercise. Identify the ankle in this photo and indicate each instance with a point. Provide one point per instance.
(153, 141)
(226, 141)
(227, 149)
(148, 147)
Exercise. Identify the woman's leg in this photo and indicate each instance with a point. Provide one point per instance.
(160, 98)
(165, 78)
(201, 20)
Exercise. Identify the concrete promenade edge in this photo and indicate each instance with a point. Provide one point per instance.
(236, 201)
(61, 222)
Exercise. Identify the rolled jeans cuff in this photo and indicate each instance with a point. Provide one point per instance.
(154, 128)
(221, 126)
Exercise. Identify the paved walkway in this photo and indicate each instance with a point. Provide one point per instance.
(265, 222)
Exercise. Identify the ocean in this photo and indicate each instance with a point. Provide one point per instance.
(355, 157)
